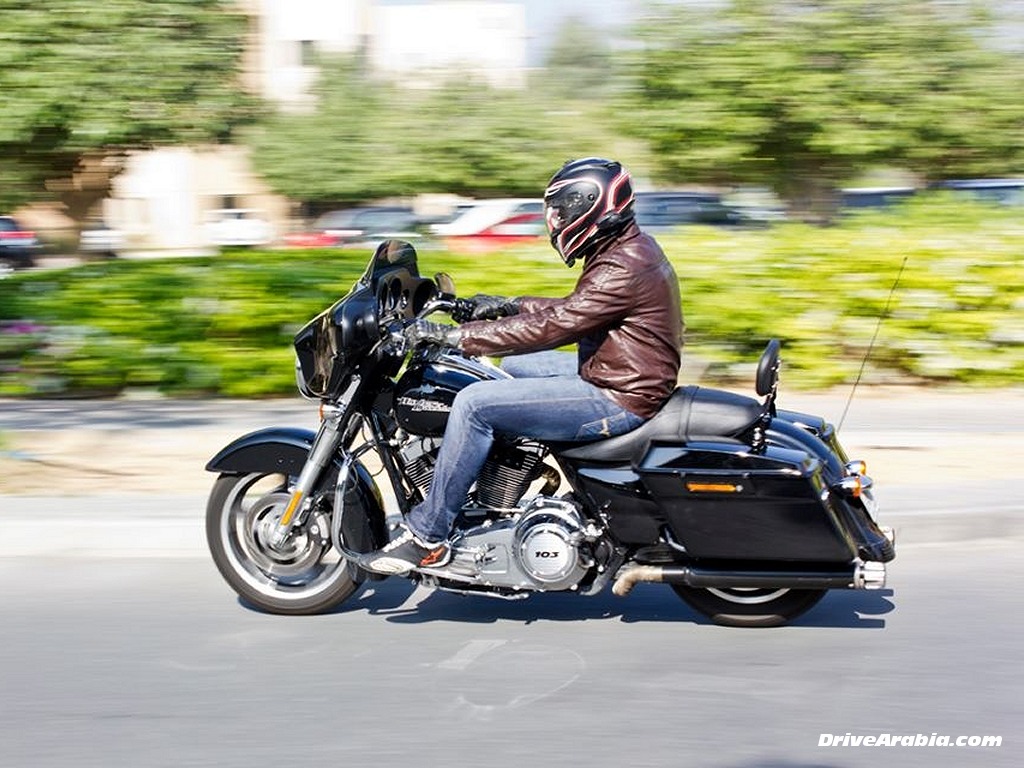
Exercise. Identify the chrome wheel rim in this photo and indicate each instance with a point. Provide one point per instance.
(748, 595)
(304, 567)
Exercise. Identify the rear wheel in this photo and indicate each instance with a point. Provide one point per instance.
(749, 606)
(305, 576)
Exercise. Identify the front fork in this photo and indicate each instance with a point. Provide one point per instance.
(321, 453)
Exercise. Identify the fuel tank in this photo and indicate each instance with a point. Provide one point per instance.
(425, 392)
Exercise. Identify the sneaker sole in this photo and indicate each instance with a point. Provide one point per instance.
(389, 565)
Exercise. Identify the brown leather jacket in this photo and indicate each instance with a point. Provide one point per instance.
(624, 313)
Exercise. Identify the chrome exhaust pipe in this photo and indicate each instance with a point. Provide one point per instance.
(857, 576)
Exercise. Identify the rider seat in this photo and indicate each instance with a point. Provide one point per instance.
(691, 413)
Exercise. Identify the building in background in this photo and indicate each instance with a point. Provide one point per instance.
(417, 45)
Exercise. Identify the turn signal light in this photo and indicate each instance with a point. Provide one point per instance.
(854, 485)
(856, 467)
(851, 486)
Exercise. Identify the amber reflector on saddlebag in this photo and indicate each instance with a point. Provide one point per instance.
(694, 487)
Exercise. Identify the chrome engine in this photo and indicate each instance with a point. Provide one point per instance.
(509, 542)
(546, 546)
(504, 478)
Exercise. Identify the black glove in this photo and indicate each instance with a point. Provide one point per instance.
(434, 333)
(492, 307)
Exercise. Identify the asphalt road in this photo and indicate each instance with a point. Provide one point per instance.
(130, 662)
(120, 644)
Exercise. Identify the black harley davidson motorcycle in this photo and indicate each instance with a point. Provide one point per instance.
(749, 512)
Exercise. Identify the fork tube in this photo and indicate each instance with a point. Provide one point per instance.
(320, 454)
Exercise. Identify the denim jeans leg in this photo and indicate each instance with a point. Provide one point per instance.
(547, 408)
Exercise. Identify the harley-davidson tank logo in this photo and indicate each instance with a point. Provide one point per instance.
(416, 404)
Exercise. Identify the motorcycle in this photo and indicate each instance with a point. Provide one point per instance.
(748, 512)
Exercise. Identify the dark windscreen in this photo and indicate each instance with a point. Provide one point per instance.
(390, 254)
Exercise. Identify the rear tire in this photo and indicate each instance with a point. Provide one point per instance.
(753, 607)
(305, 577)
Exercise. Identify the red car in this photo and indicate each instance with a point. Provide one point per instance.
(494, 224)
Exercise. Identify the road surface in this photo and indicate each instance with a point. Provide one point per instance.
(129, 662)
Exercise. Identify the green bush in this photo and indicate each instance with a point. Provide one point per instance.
(223, 325)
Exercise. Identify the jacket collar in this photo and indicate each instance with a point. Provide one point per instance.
(630, 231)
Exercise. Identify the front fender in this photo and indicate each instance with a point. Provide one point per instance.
(275, 449)
(284, 450)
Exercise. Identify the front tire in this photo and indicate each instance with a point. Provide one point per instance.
(749, 607)
(305, 577)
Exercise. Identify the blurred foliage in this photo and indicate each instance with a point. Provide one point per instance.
(805, 96)
(369, 138)
(82, 82)
(580, 62)
(223, 325)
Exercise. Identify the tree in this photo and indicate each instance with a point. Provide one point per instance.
(370, 138)
(84, 82)
(579, 62)
(327, 154)
(805, 95)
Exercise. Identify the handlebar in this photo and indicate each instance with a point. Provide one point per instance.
(460, 310)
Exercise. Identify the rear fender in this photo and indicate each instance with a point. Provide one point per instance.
(785, 433)
(806, 433)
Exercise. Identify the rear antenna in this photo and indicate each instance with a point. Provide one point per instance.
(871, 346)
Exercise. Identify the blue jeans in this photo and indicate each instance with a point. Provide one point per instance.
(545, 407)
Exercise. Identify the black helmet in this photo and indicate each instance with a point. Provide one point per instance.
(586, 201)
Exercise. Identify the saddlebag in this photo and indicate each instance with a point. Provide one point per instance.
(724, 502)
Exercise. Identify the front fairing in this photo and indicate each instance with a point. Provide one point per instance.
(338, 342)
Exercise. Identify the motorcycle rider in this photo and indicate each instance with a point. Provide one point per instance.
(624, 314)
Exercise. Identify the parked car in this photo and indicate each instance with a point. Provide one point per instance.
(101, 239)
(487, 225)
(237, 227)
(663, 211)
(756, 206)
(18, 246)
(357, 226)
(1001, 191)
(517, 229)
(481, 214)
(873, 197)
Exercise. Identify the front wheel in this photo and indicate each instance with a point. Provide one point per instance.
(306, 576)
(749, 606)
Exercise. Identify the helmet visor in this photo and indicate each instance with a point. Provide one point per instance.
(568, 205)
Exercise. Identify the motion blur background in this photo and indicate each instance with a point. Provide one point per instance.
(844, 143)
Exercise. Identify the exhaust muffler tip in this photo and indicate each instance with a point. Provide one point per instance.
(869, 576)
(633, 575)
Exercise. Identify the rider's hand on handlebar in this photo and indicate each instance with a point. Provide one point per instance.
(435, 333)
(492, 307)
